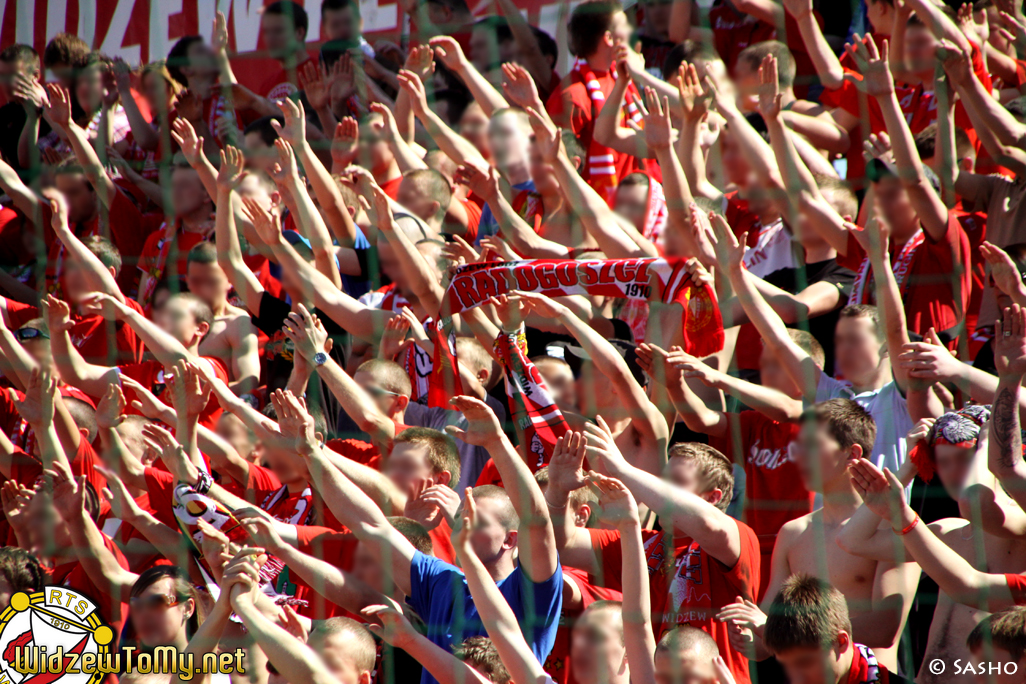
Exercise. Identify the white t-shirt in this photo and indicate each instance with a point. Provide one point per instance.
(889, 410)
(774, 250)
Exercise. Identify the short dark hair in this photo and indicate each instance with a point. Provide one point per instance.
(457, 100)
(292, 10)
(84, 415)
(336, 5)
(715, 471)
(264, 129)
(65, 48)
(1005, 630)
(178, 57)
(203, 253)
(104, 250)
(865, 311)
(807, 613)
(546, 44)
(456, 6)
(21, 570)
(19, 52)
(588, 23)
(688, 51)
(414, 533)
(848, 423)
(480, 653)
(431, 184)
(926, 142)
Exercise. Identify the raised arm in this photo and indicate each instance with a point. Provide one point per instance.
(229, 250)
(454, 145)
(449, 52)
(696, 414)
(74, 370)
(878, 82)
(165, 348)
(97, 276)
(499, 620)
(885, 495)
(538, 556)
(1005, 449)
(828, 67)
(691, 515)
(59, 112)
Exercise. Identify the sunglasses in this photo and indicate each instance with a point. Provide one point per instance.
(24, 334)
(153, 601)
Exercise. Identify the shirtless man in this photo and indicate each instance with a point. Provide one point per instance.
(963, 472)
(879, 594)
(232, 337)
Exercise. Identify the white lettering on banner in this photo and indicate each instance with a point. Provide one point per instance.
(160, 15)
(25, 21)
(379, 17)
(112, 42)
(247, 24)
(86, 22)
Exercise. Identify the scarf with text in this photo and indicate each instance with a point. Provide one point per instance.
(434, 377)
(651, 279)
(539, 422)
(632, 311)
(865, 669)
(862, 290)
(190, 506)
(601, 159)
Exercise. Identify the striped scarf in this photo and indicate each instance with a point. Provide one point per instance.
(601, 159)
(862, 290)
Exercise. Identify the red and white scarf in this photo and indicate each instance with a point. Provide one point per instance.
(862, 292)
(435, 378)
(538, 421)
(634, 312)
(666, 280)
(865, 669)
(601, 159)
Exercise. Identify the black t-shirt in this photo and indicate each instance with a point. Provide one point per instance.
(796, 280)
(278, 353)
(12, 121)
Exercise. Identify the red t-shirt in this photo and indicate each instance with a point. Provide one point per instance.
(391, 187)
(176, 261)
(150, 374)
(774, 491)
(441, 542)
(89, 334)
(690, 588)
(161, 487)
(742, 219)
(281, 83)
(974, 225)
(331, 546)
(72, 575)
(1017, 585)
(938, 267)
(28, 469)
(558, 663)
(267, 491)
(570, 106)
(473, 210)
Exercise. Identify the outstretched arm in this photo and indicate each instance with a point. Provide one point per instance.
(1005, 445)
(60, 114)
(97, 275)
(449, 52)
(538, 556)
(456, 146)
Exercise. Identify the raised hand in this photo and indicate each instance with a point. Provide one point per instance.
(658, 129)
(58, 315)
(566, 467)
(69, 492)
(872, 62)
(616, 501)
(58, 212)
(495, 248)
(919, 431)
(314, 79)
(395, 629)
(16, 499)
(37, 406)
(930, 360)
(414, 87)
(691, 367)
(111, 408)
(1010, 342)
(655, 361)
(185, 135)
(387, 128)
(433, 504)
(263, 222)
(232, 171)
(519, 87)
(59, 109)
(188, 391)
(483, 428)
(29, 92)
(287, 168)
(241, 576)
(260, 527)
(874, 238)
(393, 338)
(219, 38)
(730, 249)
(483, 182)
(459, 247)
(462, 537)
(306, 332)
(345, 142)
(294, 129)
(449, 52)
(122, 504)
(602, 449)
(769, 88)
(544, 306)
(420, 62)
(1004, 272)
(295, 424)
(881, 491)
(171, 452)
(694, 97)
(744, 613)
(510, 310)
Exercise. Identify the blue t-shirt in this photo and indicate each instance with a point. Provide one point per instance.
(442, 599)
(489, 225)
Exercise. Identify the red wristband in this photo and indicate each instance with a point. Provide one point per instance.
(909, 528)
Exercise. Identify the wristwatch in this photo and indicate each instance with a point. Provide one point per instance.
(320, 358)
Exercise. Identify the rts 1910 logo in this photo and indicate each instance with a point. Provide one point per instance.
(54, 635)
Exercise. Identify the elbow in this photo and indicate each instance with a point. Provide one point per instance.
(845, 542)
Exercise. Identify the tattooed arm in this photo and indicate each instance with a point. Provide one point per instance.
(1004, 454)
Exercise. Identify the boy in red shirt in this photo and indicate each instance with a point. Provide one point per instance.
(596, 28)
(715, 558)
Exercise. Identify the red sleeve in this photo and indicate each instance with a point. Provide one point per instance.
(739, 429)
(1017, 585)
(356, 450)
(149, 252)
(473, 210)
(85, 462)
(127, 225)
(441, 543)
(744, 576)
(9, 415)
(327, 544)
(261, 482)
(607, 544)
(161, 486)
(489, 475)
(853, 259)
(19, 314)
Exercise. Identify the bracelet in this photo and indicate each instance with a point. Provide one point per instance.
(909, 528)
(204, 483)
(553, 506)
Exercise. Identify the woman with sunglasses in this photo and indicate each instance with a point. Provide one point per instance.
(163, 607)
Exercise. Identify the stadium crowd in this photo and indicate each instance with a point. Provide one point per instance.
(700, 362)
